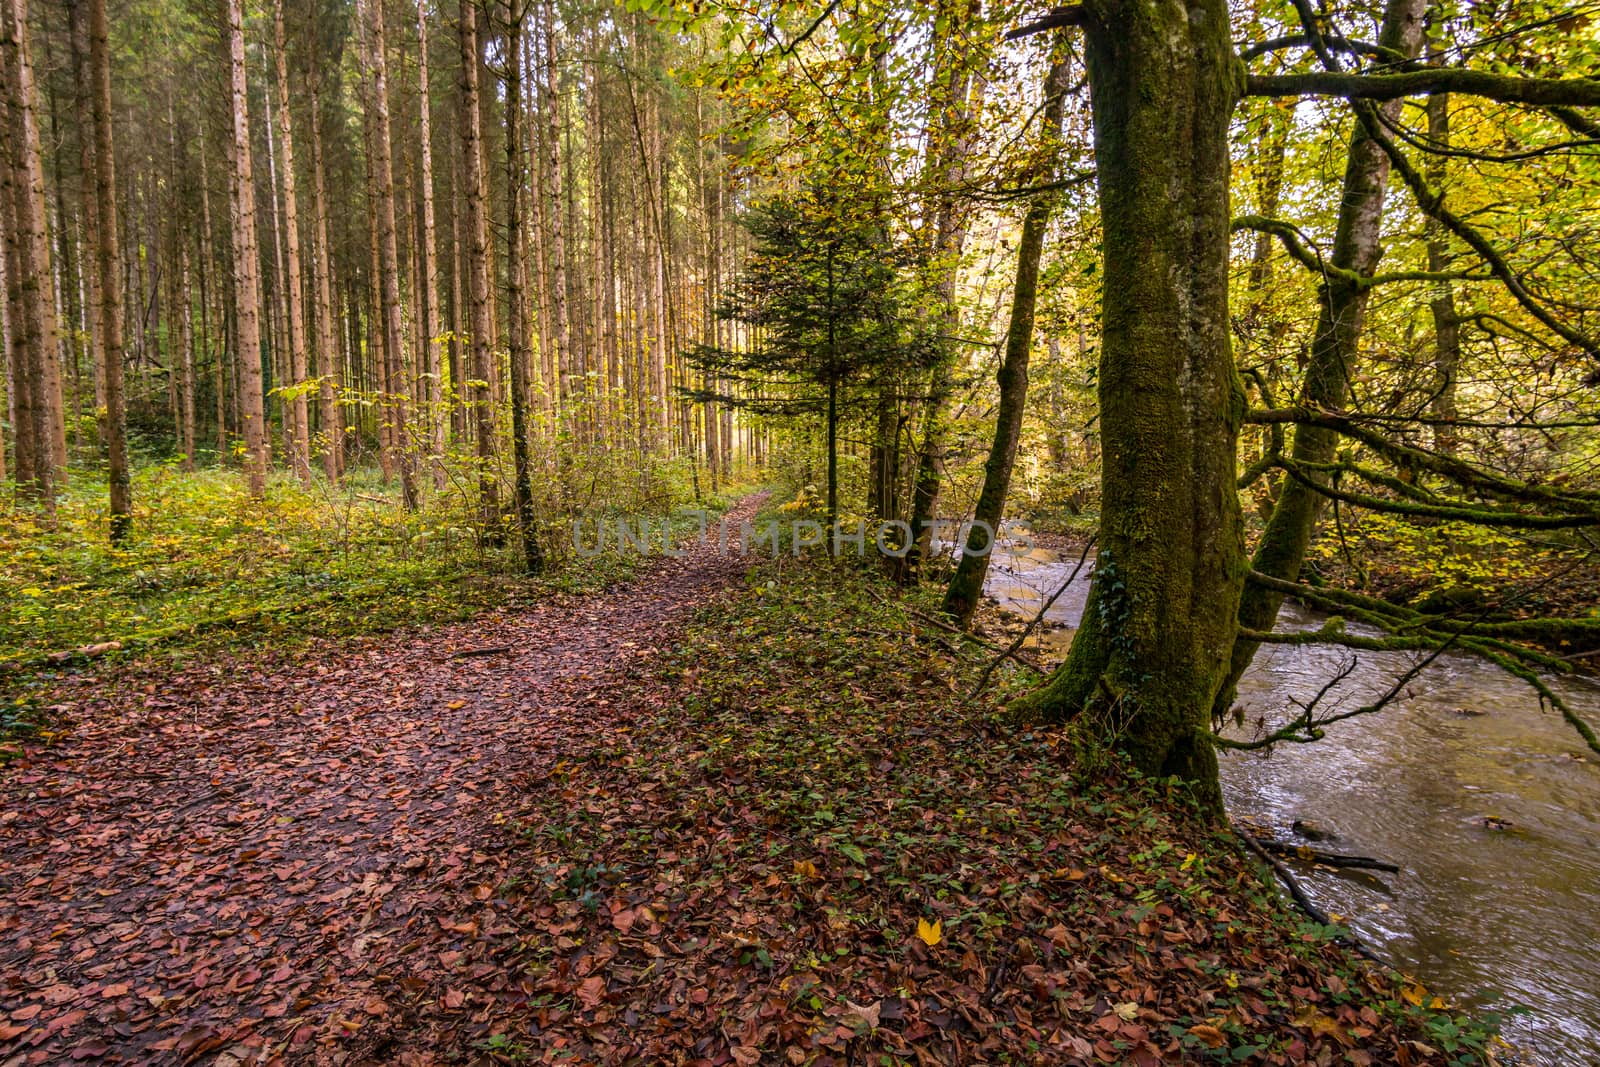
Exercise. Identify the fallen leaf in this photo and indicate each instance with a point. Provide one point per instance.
(592, 991)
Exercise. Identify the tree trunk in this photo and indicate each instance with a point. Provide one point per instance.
(186, 380)
(516, 301)
(966, 585)
(90, 217)
(246, 259)
(41, 433)
(428, 287)
(1161, 617)
(299, 416)
(458, 327)
(328, 414)
(477, 269)
(555, 185)
(388, 280)
(205, 252)
(109, 257)
(7, 313)
(1442, 301)
(1335, 349)
(948, 139)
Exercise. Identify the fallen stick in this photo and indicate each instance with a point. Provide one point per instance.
(1327, 859)
(983, 679)
(1005, 653)
(1304, 902)
(494, 650)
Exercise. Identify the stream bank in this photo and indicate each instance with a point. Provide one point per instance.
(1490, 806)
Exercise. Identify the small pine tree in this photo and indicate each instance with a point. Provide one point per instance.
(822, 294)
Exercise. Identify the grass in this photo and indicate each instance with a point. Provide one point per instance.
(208, 563)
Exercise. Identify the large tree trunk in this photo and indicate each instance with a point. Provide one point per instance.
(966, 585)
(246, 260)
(299, 416)
(561, 326)
(388, 280)
(90, 216)
(1153, 649)
(109, 259)
(1334, 353)
(957, 100)
(477, 268)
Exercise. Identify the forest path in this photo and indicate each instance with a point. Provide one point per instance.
(302, 862)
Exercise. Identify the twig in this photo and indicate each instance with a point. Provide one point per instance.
(493, 650)
(1304, 902)
(983, 679)
(975, 639)
(1327, 859)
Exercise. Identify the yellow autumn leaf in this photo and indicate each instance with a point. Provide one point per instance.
(931, 933)
(805, 868)
(1127, 1011)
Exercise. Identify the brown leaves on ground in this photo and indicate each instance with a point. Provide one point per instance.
(247, 861)
(811, 856)
(780, 845)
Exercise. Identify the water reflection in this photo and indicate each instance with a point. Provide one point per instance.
(1490, 806)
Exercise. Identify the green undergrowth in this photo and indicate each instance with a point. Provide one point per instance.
(810, 848)
(207, 564)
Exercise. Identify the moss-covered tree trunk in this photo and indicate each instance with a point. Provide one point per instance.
(1160, 623)
(1442, 300)
(966, 585)
(1335, 348)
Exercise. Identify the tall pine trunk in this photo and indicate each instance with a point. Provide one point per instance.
(479, 324)
(388, 280)
(246, 260)
(428, 283)
(328, 414)
(516, 301)
(41, 435)
(109, 259)
(299, 415)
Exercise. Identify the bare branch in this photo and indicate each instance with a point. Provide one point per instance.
(1544, 92)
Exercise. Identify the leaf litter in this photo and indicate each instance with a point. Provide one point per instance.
(680, 824)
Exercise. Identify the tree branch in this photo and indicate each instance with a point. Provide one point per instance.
(1544, 92)
(1060, 18)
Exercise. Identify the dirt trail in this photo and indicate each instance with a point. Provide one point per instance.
(301, 862)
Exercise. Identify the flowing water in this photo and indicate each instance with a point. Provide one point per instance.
(1490, 806)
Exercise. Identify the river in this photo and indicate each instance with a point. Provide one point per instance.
(1490, 806)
